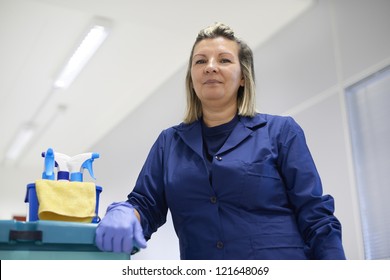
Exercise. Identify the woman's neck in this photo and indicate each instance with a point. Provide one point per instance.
(213, 117)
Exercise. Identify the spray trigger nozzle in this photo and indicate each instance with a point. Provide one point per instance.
(48, 172)
(88, 164)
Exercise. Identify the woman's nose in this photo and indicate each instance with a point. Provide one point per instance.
(211, 66)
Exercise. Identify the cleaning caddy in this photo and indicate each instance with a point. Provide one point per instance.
(68, 198)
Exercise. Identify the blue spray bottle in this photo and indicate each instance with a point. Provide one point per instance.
(62, 166)
(78, 163)
(48, 172)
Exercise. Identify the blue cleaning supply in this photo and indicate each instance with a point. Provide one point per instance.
(78, 163)
(61, 161)
(48, 172)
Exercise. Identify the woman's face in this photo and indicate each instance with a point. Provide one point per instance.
(216, 72)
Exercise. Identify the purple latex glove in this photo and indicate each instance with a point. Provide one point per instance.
(120, 231)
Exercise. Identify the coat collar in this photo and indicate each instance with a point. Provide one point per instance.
(192, 133)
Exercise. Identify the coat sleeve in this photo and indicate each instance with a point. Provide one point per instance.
(320, 229)
(148, 195)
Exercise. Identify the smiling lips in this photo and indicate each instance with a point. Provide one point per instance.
(211, 82)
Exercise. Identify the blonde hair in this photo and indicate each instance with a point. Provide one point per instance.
(246, 96)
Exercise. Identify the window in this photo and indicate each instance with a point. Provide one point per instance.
(369, 116)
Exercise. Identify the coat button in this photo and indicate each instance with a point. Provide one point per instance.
(218, 158)
(219, 244)
(213, 199)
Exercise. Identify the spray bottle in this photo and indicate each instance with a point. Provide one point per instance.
(78, 163)
(48, 172)
(62, 166)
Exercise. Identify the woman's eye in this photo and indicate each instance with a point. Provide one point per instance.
(200, 61)
(225, 60)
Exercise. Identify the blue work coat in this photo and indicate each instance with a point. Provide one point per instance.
(262, 200)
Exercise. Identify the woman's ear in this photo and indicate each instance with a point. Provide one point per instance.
(242, 82)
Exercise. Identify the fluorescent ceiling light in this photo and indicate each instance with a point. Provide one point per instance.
(88, 46)
(22, 138)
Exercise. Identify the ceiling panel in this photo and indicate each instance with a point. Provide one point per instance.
(149, 42)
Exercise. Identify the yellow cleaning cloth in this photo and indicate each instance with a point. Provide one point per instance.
(66, 201)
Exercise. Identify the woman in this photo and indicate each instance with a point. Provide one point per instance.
(239, 184)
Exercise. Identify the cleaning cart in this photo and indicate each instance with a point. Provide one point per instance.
(62, 216)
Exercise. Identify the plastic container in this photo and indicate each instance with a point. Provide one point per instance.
(51, 240)
(32, 200)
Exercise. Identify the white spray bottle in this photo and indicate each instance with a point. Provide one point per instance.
(78, 163)
(62, 166)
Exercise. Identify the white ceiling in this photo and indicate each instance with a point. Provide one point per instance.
(149, 42)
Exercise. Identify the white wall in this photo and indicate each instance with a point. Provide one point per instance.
(301, 72)
(12, 199)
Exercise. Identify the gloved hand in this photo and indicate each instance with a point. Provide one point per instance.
(119, 230)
